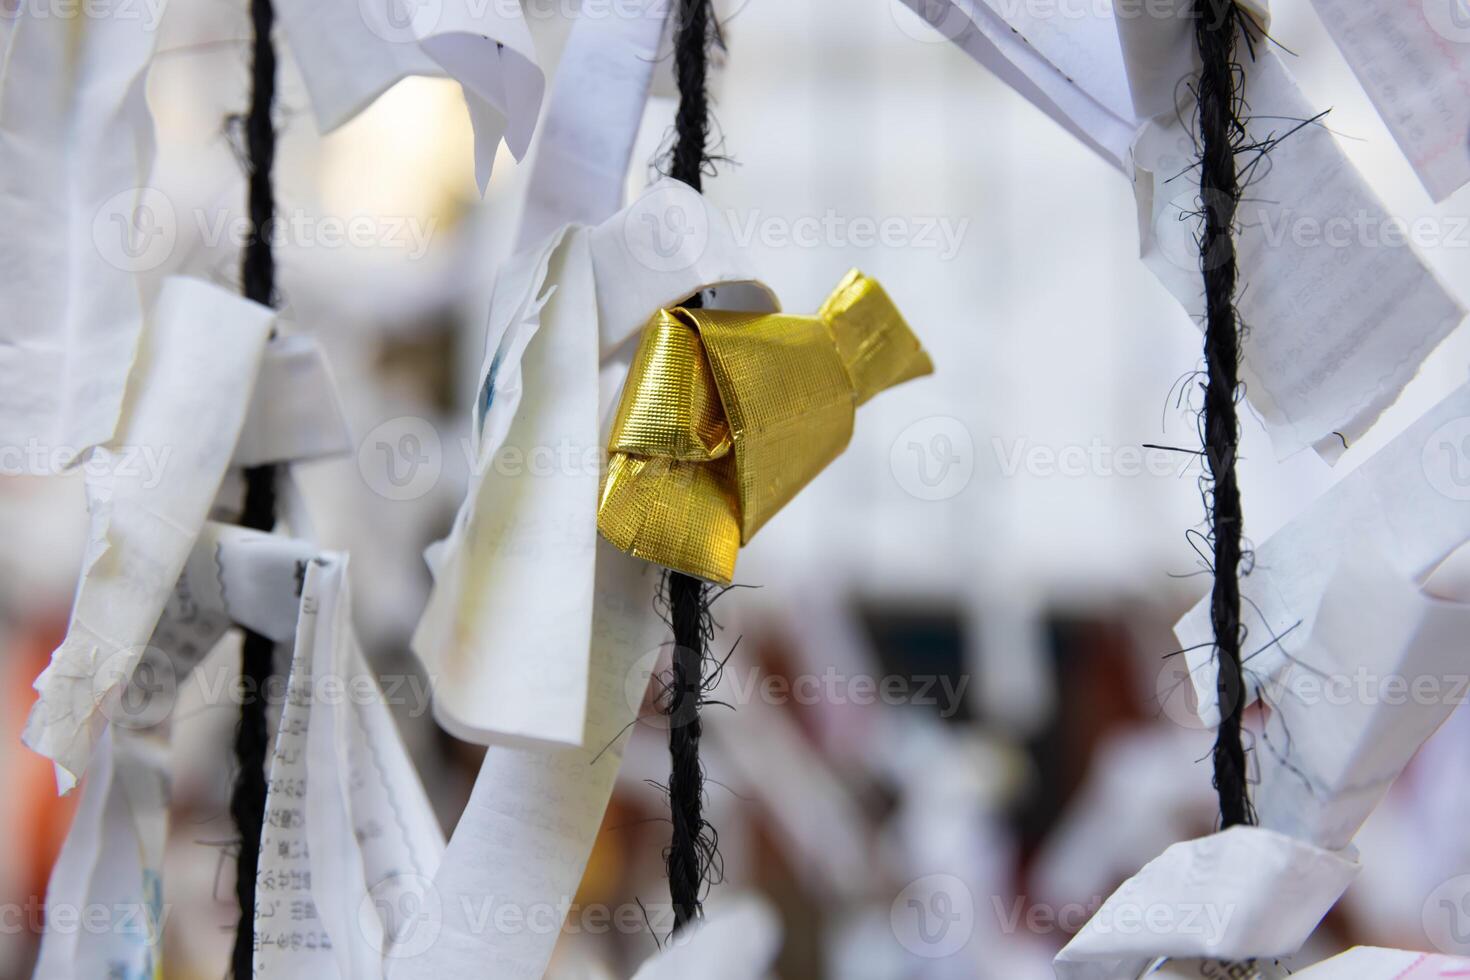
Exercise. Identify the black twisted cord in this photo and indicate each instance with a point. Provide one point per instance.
(1215, 26)
(258, 275)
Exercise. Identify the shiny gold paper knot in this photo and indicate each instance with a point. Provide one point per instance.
(726, 415)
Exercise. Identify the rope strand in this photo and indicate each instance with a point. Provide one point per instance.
(687, 861)
(258, 274)
(1215, 24)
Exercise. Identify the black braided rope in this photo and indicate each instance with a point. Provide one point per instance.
(1215, 26)
(687, 859)
(258, 274)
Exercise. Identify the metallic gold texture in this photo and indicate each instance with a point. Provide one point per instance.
(725, 416)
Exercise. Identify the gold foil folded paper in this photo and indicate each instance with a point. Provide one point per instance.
(725, 416)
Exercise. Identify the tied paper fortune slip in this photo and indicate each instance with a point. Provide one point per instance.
(726, 416)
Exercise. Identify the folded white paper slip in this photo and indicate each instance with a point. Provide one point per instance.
(738, 941)
(76, 151)
(350, 53)
(188, 392)
(1409, 498)
(1377, 963)
(1244, 893)
(506, 633)
(1413, 60)
(350, 841)
(1384, 666)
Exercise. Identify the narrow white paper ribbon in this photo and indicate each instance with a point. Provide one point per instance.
(186, 402)
(295, 412)
(76, 145)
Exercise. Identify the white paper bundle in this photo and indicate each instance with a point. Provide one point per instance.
(1408, 499)
(1383, 668)
(1243, 893)
(188, 393)
(76, 144)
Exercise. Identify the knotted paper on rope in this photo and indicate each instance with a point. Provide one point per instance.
(725, 416)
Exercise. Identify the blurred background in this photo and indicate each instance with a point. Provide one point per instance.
(952, 684)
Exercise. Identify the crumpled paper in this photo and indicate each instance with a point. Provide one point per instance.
(738, 940)
(188, 393)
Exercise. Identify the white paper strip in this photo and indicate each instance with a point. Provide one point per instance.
(1383, 668)
(350, 53)
(1243, 893)
(521, 846)
(295, 413)
(111, 861)
(76, 144)
(187, 397)
(581, 157)
(1413, 60)
(1409, 499)
(350, 841)
(504, 635)
(738, 941)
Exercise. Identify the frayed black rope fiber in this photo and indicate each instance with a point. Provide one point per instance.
(1222, 132)
(258, 281)
(692, 856)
